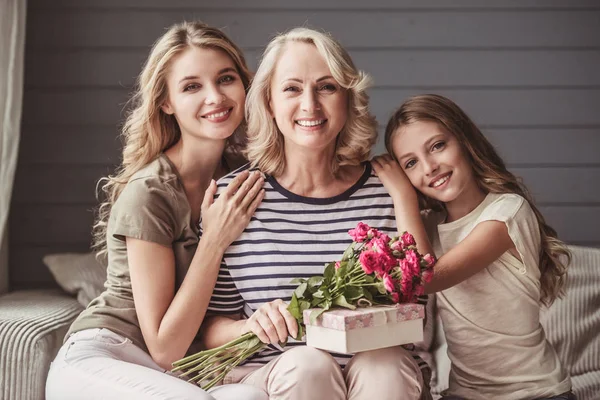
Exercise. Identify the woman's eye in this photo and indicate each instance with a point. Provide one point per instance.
(226, 79)
(291, 89)
(191, 86)
(329, 87)
(410, 164)
(438, 145)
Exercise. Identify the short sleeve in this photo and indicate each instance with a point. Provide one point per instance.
(145, 210)
(522, 224)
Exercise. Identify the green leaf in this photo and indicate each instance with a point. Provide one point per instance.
(341, 301)
(316, 302)
(319, 294)
(300, 332)
(369, 279)
(353, 293)
(301, 289)
(294, 307)
(297, 281)
(315, 314)
(329, 272)
(304, 305)
(381, 288)
(349, 252)
(315, 281)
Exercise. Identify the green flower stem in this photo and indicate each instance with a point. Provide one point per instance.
(213, 351)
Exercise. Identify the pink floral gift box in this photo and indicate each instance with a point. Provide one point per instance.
(352, 331)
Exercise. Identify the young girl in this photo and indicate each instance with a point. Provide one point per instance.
(498, 259)
(187, 110)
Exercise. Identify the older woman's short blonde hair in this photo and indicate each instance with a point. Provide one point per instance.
(265, 142)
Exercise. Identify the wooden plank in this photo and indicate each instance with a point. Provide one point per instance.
(464, 5)
(508, 108)
(495, 107)
(574, 224)
(412, 68)
(50, 224)
(69, 145)
(60, 28)
(548, 146)
(37, 184)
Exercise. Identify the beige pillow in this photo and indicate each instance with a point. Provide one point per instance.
(78, 273)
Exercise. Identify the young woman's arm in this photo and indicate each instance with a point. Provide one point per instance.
(169, 321)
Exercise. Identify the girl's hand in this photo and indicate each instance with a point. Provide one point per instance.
(393, 177)
(272, 323)
(225, 218)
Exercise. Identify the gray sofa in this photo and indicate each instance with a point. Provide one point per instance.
(33, 324)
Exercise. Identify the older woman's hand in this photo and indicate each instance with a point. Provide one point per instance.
(393, 178)
(272, 323)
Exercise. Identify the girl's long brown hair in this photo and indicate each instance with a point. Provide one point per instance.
(491, 175)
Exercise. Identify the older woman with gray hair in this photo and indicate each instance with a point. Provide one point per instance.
(310, 132)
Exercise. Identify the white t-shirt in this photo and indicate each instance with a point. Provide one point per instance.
(496, 343)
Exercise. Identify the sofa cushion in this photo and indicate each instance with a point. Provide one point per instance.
(81, 274)
(32, 327)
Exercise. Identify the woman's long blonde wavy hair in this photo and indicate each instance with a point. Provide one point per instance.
(265, 142)
(491, 175)
(148, 131)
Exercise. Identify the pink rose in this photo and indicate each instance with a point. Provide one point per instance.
(360, 233)
(419, 290)
(379, 245)
(373, 233)
(395, 297)
(397, 246)
(407, 239)
(337, 265)
(369, 261)
(428, 275)
(388, 283)
(430, 260)
(413, 260)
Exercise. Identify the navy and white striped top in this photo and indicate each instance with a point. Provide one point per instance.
(292, 236)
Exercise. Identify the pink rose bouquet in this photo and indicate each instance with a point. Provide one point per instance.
(374, 269)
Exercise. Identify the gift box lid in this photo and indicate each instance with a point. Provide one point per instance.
(343, 319)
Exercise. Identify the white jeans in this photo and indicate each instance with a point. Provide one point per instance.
(100, 364)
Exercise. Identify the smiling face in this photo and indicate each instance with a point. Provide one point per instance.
(309, 106)
(434, 162)
(205, 93)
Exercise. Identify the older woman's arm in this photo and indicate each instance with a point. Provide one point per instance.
(272, 323)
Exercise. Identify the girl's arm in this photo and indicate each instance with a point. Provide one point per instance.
(170, 320)
(485, 244)
(404, 196)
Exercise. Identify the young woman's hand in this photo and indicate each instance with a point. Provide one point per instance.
(224, 219)
(393, 177)
(272, 323)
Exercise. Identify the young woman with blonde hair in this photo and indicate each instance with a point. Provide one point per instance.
(310, 131)
(498, 259)
(185, 122)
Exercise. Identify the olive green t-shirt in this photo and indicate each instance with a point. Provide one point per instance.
(152, 207)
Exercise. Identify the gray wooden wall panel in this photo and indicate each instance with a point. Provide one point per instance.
(525, 70)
